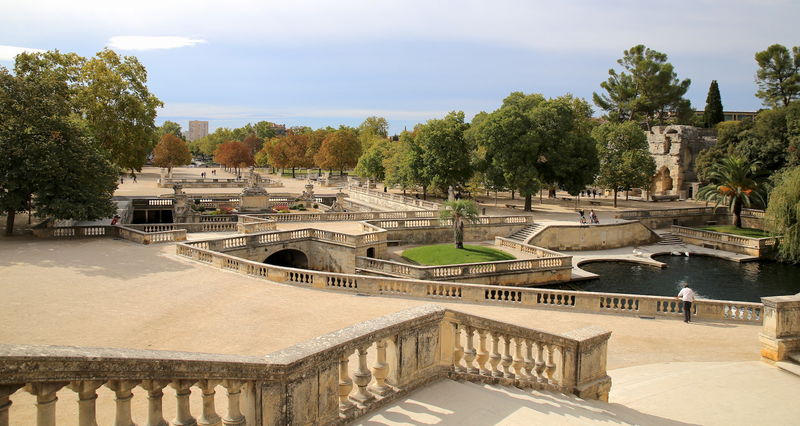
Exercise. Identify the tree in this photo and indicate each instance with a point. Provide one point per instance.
(48, 160)
(370, 164)
(625, 161)
(290, 151)
(459, 211)
(372, 130)
(171, 152)
(340, 150)
(253, 142)
(783, 214)
(737, 183)
(647, 90)
(713, 112)
(399, 163)
(778, 75)
(233, 154)
(444, 155)
(170, 127)
(264, 130)
(119, 109)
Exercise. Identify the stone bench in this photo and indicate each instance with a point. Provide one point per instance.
(594, 203)
(664, 198)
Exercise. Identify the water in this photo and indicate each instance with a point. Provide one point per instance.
(710, 277)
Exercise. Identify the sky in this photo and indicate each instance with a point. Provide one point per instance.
(321, 63)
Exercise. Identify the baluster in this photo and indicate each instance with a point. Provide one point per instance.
(551, 365)
(494, 359)
(155, 415)
(540, 363)
(519, 361)
(458, 351)
(45, 401)
(529, 362)
(506, 360)
(483, 353)
(380, 370)
(5, 401)
(122, 390)
(469, 352)
(234, 416)
(183, 414)
(345, 385)
(362, 378)
(87, 397)
(209, 415)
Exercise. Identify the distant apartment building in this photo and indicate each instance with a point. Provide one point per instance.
(197, 130)
(732, 115)
(279, 129)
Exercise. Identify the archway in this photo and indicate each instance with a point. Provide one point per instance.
(371, 252)
(288, 257)
(663, 181)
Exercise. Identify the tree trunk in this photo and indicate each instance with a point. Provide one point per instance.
(626, 195)
(528, 199)
(458, 231)
(512, 194)
(292, 172)
(615, 197)
(10, 221)
(424, 192)
(737, 213)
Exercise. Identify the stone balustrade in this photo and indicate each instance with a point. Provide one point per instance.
(436, 222)
(393, 199)
(333, 378)
(262, 239)
(526, 248)
(463, 270)
(251, 224)
(216, 182)
(623, 304)
(780, 334)
(640, 214)
(344, 216)
(91, 231)
(759, 214)
(760, 247)
(188, 227)
(143, 235)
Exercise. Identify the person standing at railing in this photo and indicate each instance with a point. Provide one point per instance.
(687, 295)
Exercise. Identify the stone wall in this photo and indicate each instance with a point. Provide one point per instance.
(322, 255)
(594, 237)
(675, 149)
(444, 234)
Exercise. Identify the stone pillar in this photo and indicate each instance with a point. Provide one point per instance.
(584, 369)
(5, 402)
(45, 401)
(780, 333)
(87, 397)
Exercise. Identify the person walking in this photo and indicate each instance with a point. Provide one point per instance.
(593, 217)
(582, 217)
(687, 295)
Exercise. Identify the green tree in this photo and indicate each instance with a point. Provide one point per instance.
(713, 112)
(264, 130)
(783, 214)
(48, 160)
(170, 127)
(459, 211)
(399, 164)
(371, 131)
(625, 161)
(778, 75)
(443, 152)
(340, 150)
(119, 109)
(171, 152)
(737, 183)
(646, 90)
(370, 164)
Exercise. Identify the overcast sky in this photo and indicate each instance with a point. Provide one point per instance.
(321, 63)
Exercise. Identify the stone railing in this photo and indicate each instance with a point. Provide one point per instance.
(780, 334)
(396, 198)
(91, 231)
(626, 304)
(151, 237)
(345, 216)
(463, 270)
(433, 222)
(719, 237)
(640, 214)
(250, 224)
(311, 382)
(128, 232)
(759, 214)
(526, 248)
(216, 182)
(279, 237)
(189, 227)
(204, 218)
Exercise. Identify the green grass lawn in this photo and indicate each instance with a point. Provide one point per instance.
(448, 254)
(744, 232)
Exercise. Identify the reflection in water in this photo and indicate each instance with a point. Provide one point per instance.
(710, 277)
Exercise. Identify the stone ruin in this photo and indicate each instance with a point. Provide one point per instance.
(675, 149)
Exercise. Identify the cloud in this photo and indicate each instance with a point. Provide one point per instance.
(7, 53)
(151, 42)
(228, 112)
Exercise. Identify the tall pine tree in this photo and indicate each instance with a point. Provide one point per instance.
(713, 113)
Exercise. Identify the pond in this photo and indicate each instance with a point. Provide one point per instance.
(710, 277)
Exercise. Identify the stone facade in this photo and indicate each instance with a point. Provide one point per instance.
(675, 149)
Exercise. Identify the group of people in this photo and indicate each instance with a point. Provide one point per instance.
(592, 217)
(589, 193)
(204, 174)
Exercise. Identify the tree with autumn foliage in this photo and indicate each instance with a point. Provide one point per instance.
(290, 151)
(340, 150)
(170, 152)
(253, 142)
(233, 154)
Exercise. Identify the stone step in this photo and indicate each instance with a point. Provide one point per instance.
(795, 357)
(789, 367)
(669, 238)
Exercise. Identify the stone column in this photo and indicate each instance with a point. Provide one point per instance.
(780, 333)
(45, 401)
(87, 397)
(122, 390)
(5, 402)
(155, 415)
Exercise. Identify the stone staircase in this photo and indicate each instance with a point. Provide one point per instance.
(668, 238)
(791, 365)
(524, 234)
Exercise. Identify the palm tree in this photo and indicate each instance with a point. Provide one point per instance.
(459, 211)
(736, 183)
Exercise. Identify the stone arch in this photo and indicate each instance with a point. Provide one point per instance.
(371, 252)
(288, 257)
(663, 181)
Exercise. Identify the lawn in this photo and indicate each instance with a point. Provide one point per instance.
(744, 232)
(447, 254)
